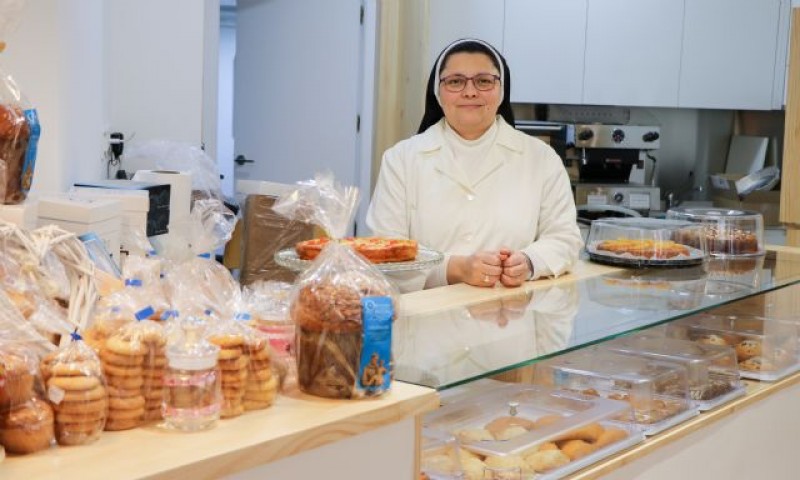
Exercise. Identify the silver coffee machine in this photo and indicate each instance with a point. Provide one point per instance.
(617, 166)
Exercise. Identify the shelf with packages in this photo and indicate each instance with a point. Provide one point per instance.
(463, 341)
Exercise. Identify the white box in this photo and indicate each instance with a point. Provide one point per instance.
(83, 215)
(135, 207)
(22, 215)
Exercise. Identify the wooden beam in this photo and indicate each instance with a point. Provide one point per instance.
(790, 175)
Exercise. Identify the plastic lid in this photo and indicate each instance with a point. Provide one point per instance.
(191, 351)
(710, 213)
(643, 223)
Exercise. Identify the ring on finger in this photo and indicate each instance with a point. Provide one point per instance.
(486, 278)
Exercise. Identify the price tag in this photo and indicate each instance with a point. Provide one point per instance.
(596, 200)
(639, 201)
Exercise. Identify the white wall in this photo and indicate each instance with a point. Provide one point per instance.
(94, 66)
(55, 56)
(225, 145)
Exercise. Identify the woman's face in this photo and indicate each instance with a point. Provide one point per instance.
(471, 111)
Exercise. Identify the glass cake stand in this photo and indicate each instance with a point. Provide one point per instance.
(426, 258)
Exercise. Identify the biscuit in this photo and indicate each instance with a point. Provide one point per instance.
(262, 385)
(610, 435)
(229, 354)
(756, 364)
(576, 449)
(262, 355)
(108, 357)
(589, 433)
(73, 383)
(127, 424)
(231, 376)
(72, 369)
(68, 438)
(130, 383)
(114, 414)
(98, 405)
(122, 371)
(154, 394)
(748, 348)
(237, 364)
(226, 341)
(77, 428)
(260, 375)
(120, 392)
(232, 411)
(117, 345)
(260, 364)
(127, 403)
(89, 417)
(256, 405)
(85, 395)
(546, 460)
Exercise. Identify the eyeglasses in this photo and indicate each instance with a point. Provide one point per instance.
(482, 81)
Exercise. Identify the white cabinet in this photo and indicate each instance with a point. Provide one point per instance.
(633, 52)
(730, 50)
(544, 42)
(450, 20)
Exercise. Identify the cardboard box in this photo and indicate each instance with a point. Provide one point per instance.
(266, 232)
(725, 194)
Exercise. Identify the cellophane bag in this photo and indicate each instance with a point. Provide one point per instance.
(113, 312)
(200, 285)
(134, 359)
(145, 272)
(19, 122)
(342, 306)
(244, 360)
(76, 388)
(26, 420)
(268, 305)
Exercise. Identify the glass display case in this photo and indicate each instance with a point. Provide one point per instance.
(458, 342)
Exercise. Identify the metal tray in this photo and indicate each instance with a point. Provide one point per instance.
(426, 258)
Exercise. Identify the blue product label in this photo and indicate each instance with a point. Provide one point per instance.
(30, 154)
(376, 350)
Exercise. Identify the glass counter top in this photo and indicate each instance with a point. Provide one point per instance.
(477, 340)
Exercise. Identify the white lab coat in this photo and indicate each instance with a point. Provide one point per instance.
(520, 198)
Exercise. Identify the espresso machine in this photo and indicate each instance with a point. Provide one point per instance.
(617, 168)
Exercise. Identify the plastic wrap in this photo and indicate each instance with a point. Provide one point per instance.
(76, 389)
(145, 271)
(134, 359)
(26, 421)
(343, 307)
(19, 123)
(268, 304)
(199, 285)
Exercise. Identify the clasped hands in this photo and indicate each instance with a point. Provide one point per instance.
(486, 268)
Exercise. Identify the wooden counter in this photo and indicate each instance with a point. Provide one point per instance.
(295, 424)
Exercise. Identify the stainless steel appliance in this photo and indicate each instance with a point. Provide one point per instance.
(560, 136)
(617, 167)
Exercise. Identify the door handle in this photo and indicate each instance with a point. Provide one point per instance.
(241, 160)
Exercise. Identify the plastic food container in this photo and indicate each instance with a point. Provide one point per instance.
(765, 349)
(712, 370)
(651, 289)
(645, 242)
(441, 457)
(728, 274)
(726, 232)
(657, 391)
(523, 432)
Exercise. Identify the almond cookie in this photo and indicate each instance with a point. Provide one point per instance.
(126, 403)
(93, 406)
(227, 341)
(114, 370)
(73, 383)
(122, 424)
(88, 417)
(116, 344)
(238, 364)
(229, 354)
(95, 393)
(130, 383)
(125, 414)
(112, 358)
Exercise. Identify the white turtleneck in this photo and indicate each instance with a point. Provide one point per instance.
(470, 153)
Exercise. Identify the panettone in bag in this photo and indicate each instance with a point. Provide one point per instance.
(343, 310)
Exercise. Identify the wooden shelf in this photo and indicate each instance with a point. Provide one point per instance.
(296, 423)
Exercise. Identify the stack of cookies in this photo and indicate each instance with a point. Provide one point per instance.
(76, 389)
(233, 365)
(155, 361)
(262, 384)
(122, 357)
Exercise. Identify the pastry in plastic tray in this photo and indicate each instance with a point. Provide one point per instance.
(765, 349)
(374, 249)
(658, 392)
(526, 432)
(712, 371)
(643, 242)
(726, 232)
